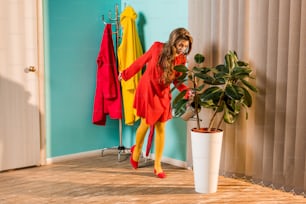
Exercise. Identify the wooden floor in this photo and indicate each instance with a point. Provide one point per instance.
(106, 180)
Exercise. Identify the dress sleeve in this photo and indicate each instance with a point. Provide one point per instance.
(180, 87)
(136, 66)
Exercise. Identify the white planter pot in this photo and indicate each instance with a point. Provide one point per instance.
(206, 153)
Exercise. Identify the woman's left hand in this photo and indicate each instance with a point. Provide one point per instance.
(190, 94)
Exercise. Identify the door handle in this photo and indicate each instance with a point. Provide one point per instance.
(32, 69)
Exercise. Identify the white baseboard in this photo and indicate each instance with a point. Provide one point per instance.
(73, 156)
(68, 157)
(171, 161)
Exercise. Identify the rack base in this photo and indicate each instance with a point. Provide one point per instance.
(120, 149)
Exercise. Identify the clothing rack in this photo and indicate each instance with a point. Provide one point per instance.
(116, 21)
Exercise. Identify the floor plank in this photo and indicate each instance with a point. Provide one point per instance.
(104, 179)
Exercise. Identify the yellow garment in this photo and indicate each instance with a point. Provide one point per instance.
(159, 145)
(129, 50)
(159, 142)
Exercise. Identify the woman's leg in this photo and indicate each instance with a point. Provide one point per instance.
(140, 135)
(159, 147)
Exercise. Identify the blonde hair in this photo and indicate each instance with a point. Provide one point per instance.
(166, 59)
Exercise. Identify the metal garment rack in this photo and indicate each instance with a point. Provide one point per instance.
(116, 21)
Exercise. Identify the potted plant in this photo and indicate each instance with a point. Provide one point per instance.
(225, 89)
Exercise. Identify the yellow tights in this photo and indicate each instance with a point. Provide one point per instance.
(140, 135)
(159, 142)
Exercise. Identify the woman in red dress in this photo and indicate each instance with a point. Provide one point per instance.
(153, 97)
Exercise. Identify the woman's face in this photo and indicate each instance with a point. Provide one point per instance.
(182, 47)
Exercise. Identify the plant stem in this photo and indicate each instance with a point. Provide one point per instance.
(221, 120)
(196, 103)
(198, 118)
(215, 112)
(212, 120)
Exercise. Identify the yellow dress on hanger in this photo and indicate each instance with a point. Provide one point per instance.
(128, 51)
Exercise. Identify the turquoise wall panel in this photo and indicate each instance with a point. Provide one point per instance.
(73, 31)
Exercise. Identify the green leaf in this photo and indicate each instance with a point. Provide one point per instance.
(207, 79)
(182, 77)
(172, 89)
(229, 117)
(179, 97)
(199, 88)
(241, 71)
(181, 68)
(208, 104)
(234, 55)
(212, 93)
(242, 63)
(247, 98)
(234, 106)
(233, 92)
(201, 69)
(228, 62)
(180, 108)
(250, 86)
(220, 78)
(246, 115)
(205, 70)
(199, 58)
(222, 68)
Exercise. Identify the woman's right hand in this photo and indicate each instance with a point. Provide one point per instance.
(120, 76)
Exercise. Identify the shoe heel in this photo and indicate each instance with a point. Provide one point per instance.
(133, 163)
(160, 175)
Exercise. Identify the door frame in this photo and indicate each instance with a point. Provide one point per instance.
(41, 81)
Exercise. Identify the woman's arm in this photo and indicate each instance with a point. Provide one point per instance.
(138, 64)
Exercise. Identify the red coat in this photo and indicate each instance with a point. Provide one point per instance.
(107, 98)
(152, 98)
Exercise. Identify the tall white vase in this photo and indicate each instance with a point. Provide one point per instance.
(206, 154)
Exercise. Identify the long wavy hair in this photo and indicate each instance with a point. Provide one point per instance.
(166, 59)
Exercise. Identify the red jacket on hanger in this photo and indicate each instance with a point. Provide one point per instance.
(107, 100)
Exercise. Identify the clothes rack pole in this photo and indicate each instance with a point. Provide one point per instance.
(116, 21)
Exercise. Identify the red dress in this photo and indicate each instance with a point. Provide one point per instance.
(152, 98)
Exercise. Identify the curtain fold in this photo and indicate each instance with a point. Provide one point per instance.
(269, 147)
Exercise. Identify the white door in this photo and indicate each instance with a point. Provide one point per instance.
(19, 91)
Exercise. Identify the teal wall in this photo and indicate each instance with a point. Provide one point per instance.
(73, 30)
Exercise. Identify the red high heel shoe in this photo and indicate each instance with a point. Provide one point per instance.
(133, 163)
(160, 175)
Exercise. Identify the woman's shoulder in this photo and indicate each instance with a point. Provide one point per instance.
(156, 47)
(158, 44)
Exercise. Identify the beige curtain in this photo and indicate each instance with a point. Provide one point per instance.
(269, 147)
